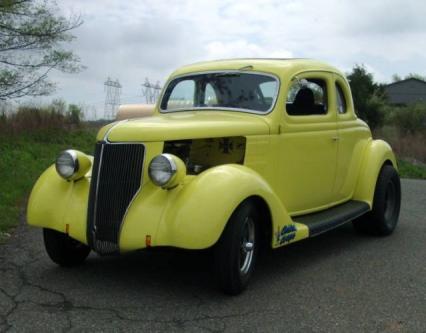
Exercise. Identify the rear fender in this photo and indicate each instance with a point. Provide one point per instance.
(377, 153)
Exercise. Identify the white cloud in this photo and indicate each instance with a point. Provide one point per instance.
(242, 49)
(132, 40)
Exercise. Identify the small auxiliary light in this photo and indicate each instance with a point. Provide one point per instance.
(148, 240)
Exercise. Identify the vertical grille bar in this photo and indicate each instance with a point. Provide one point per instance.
(116, 178)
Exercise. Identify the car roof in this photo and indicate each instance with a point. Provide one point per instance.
(280, 66)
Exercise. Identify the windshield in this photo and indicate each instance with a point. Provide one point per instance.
(224, 90)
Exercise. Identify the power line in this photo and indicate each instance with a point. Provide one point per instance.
(112, 98)
(150, 91)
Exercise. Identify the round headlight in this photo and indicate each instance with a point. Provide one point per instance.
(67, 164)
(162, 169)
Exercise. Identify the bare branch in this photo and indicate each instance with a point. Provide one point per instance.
(32, 34)
(20, 92)
(37, 65)
(48, 33)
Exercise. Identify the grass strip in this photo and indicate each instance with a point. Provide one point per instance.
(22, 160)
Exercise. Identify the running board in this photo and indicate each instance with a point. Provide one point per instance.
(331, 218)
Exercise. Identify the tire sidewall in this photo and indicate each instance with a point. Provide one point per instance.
(386, 225)
(227, 250)
(64, 250)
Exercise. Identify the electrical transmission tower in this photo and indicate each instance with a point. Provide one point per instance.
(150, 91)
(112, 98)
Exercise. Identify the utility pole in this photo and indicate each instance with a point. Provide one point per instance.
(112, 98)
(150, 91)
(94, 113)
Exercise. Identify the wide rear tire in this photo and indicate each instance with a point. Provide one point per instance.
(237, 249)
(64, 250)
(383, 218)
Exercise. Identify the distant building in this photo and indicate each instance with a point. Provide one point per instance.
(405, 92)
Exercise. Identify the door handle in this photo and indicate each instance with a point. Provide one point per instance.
(335, 138)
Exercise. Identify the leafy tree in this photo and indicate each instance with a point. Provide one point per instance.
(368, 96)
(396, 78)
(74, 114)
(32, 34)
(58, 106)
(410, 119)
(375, 106)
(415, 76)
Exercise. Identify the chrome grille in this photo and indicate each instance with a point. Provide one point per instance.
(116, 178)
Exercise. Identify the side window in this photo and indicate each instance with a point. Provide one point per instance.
(210, 98)
(307, 97)
(182, 95)
(341, 102)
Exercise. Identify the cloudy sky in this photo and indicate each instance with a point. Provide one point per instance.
(131, 40)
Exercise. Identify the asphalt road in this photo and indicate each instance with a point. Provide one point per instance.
(337, 282)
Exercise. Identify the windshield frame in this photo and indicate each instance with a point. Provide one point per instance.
(206, 108)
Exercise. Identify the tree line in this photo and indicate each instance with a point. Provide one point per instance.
(372, 106)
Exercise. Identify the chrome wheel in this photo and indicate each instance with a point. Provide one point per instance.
(236, 250)
(247, 245)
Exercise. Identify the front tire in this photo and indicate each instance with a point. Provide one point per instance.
(237, 249)
(64, 250)
(383, 218)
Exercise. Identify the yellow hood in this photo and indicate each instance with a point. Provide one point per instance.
(188, 125)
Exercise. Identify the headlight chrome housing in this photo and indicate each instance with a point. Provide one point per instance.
(72, 164)
(67, 164)
(166, 170)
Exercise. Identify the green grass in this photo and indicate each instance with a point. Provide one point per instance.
(24, 157)
(410, 170)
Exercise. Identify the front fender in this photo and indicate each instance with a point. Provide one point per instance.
(58, 204)
(195, 214)
(377, 153)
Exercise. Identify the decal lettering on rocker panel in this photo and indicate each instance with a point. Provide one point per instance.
(287, 233)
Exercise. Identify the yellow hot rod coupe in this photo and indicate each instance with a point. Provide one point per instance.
(236, 154)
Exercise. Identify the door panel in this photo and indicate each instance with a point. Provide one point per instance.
(308, 164)
(308, 155)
